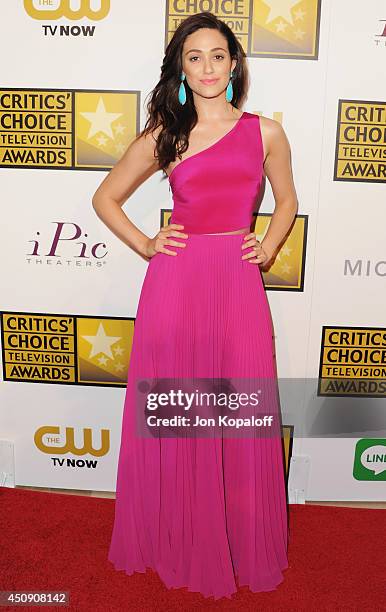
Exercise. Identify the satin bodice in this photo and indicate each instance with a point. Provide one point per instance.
(215, 190)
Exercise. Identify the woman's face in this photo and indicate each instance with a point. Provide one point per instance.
(206, 62)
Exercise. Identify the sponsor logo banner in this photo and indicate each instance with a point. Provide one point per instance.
(66, 129)
(85, 446)
(352, 362)
(264, 28)
(370, 459)
(70, 9)
(360, 153)
(66, 245)
(66, 349)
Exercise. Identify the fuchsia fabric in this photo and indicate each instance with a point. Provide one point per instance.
(215, 190)
(208, 514)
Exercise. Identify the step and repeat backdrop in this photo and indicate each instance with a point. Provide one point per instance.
(74, 79)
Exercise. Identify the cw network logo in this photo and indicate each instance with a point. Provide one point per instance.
(49, 439)
(72, 9)
(51, 10)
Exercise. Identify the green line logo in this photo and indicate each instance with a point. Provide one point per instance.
(370, 459)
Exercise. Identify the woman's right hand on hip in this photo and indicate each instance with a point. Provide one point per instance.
(162, 238)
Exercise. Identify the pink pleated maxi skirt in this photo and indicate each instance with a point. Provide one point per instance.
(208, 514)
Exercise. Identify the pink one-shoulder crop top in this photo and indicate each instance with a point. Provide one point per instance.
(215, 190)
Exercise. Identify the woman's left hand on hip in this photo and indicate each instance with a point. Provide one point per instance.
(257, 255)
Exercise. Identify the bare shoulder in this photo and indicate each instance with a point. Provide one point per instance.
(136, 165)
(144, 144)
(273, 135)
(272, 129)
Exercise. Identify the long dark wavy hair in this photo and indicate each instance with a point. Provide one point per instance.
(164, 109)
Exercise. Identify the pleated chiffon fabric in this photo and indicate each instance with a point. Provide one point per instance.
(208, 514)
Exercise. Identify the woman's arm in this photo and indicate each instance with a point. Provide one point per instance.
(277, 167)
(135, 166)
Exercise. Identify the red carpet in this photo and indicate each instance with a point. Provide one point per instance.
(52, 541)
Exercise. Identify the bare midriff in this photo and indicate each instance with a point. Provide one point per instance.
(244, 230)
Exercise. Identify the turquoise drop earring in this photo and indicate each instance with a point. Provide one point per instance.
(182, 91)
(229, 90)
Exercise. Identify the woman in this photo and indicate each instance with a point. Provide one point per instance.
(206, 512)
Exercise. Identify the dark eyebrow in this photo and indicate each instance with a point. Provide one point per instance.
(199, 50)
